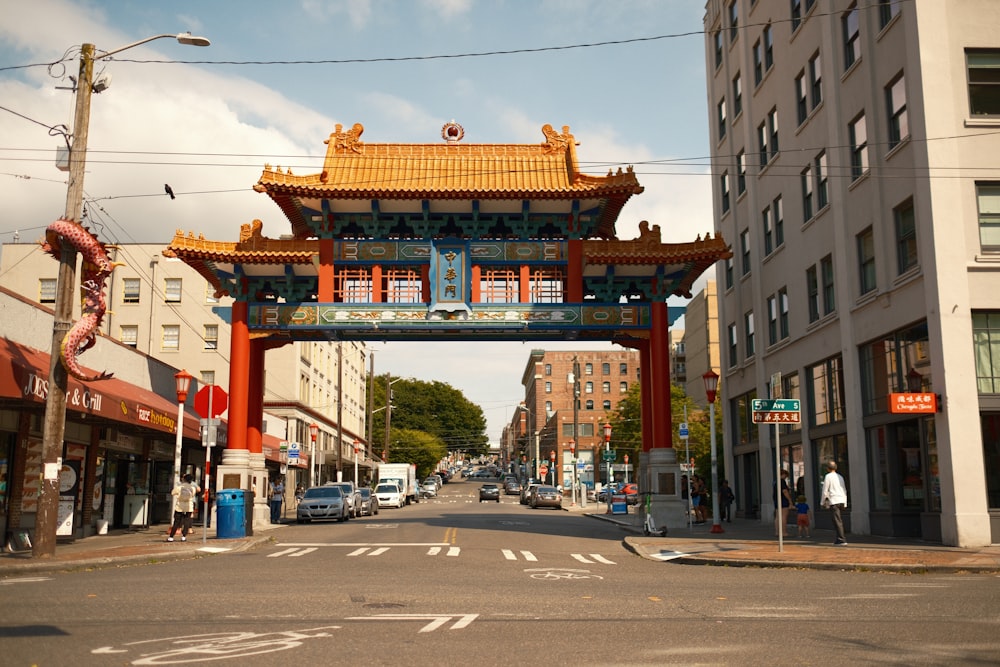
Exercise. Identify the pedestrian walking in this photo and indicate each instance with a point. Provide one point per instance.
(782, 509)
(277, 493)
(803, 513)
(835, 499)
(699, 496)
(726, 498)
(184, 495)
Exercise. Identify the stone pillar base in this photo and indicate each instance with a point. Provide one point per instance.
(660, 474)
(241, 469)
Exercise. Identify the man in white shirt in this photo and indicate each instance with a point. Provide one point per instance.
(835, 498)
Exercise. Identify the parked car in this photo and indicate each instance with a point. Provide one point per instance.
(631, 492)
(545, 496)
(322, 502)
(429, 488)
(390, 495)
(369, 502)
(512, 487)
(526, 491)
(352, 496)
(489, 492)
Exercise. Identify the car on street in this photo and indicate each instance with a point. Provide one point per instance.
(512, 487)
(429, 488)
(526, 491)
(390, 495)
(369, 502)
(352, 496)
(545, 496)
(322, 502)
(631, 492)
(489, 492)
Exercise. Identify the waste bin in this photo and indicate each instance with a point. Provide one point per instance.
(230, 513)
(248, 511)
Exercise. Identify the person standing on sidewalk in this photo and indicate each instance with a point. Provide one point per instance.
(277, 494)
(184, 495)
(835, 498)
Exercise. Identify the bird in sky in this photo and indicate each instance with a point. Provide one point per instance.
(169, 190)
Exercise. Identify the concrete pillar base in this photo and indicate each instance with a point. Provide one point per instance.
(241, 469)
(661, 474)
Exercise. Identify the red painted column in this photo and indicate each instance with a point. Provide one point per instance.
(659, 354)
(326, 266)
(646, 383)
(574, 272)
(239, 377)
(255, 402)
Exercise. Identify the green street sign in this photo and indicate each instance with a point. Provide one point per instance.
(609, 455)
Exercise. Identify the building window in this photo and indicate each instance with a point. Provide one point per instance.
(801, 97)
(815, 80)
(724, 191)
(734, 21)
(548, 407)
(745, 250)
(46, 290)
(895, 101)
(171, 337)
(741, 174)
(548, 387)
(737, 95)
(986, 345)
(829, 291)
(772, 126)
(906, 236)
(758, 63)
(806, 178)
(768, 36)
(731, 342)
(718, 48)
(172, 290)
(779, 222)
(605, 368)
(130, 290)
(207, 378)
(606, 387)
(988, 196)
(749, 333)
(768, 225)
(729, 272)
(211, 336)
(796, 14)
(984, 82)
(762, 144)
(548, 369)
(812, 293)
(129, 335)
(822, 184)
(606, 405)
(588, 388)
(852, 37)
(858, 131)
(887, 11)
(783, 313)
(210, 294)
(886, 363)
(720, 117)
(772, 319)
(623, 387)
(622, 369)
(826, 392)
(588, 369)
(589, 405)
(866, 260)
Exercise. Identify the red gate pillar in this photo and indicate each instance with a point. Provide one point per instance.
(239, 377)
(255, 403)
(659, 357)
(646, 395)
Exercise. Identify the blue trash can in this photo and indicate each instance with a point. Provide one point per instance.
(230, 514)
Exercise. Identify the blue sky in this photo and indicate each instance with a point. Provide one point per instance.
(402, 69)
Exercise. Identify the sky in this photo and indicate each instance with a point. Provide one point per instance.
(627, 77)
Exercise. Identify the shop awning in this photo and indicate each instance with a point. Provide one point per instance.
(24, 374)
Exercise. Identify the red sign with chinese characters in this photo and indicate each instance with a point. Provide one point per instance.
(916, 402)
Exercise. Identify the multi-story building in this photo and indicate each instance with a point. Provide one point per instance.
(163, 308)
(678, 356)
(700, 341)
(542, 431)
(864, 228)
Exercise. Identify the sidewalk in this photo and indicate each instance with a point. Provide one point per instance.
(748, 542)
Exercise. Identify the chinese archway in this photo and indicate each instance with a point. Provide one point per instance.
(447, 241)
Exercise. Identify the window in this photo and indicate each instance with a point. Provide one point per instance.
(826, 392)
(623, 369)
(749, 333)
(606, 405)
(210, 294)
(895, 101)
(729, 272)
(852, 37)
(605, 369)
(588, 369)
(829, 293)
(129, 335)
(130, 290)
(733, 21)
(717, 37)
(822, 185)
(758, 63)
(796, 14)
(887, 11)
(779, 222)
(866, 260)
(731, 342)
(741, 173)
(170, 337)
(46, 290)
(984, 82)
(745, 250)
(812, 293)
(606, 387)
(906, 236)
(172, 290)
(783, 313)
(548, 369)
(762, 144)
(623, 387)
(767, 137)
(772, 319)
(211, 336)
(768, 36)
(588, 388)
(548, 387)
(589, 405)
(768, 225)
(721, 117)
(724, 190)
(986, 345)
(207, 377)
(806, 178)
(772, 126)
(988, 196)
(858, 131)
(815, 80)
(801, 97)
(737, 95)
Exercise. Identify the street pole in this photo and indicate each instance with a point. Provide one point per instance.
(711, 379)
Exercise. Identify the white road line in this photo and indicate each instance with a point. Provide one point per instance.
(379, 551)
(601, 559)
(434, 551)
(582, 558)
(508, 554)
(282, 553)
(303, 552)
(529, 556)
(358, 552)
(454, 551)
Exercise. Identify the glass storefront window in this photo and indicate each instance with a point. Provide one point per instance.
(878, 463)
(933, 470)
(833, 448)
(911, 465)
(990, 424)
(826, 392)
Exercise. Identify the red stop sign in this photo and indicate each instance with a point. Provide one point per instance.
(543, 470)
(220, 401)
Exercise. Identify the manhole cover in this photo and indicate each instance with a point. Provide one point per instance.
(383, 605)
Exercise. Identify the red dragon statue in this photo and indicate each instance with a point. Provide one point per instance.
(95, 269)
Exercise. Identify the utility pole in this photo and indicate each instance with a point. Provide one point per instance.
(576, 412)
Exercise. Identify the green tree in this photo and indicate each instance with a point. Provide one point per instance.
(419, 447)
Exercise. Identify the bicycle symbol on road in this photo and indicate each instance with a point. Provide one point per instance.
(560, 573)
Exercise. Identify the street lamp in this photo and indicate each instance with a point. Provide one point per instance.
(534, 450)
(626, 468)
(711, 379)
(572, 461)
(607, 448)
(182, 382)
(552, 460)
(356, 443)
(313, 434)
(46, 519)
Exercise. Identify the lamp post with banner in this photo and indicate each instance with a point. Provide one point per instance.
(608, 459)
(182, 381)
(552, 460)
(711, 379)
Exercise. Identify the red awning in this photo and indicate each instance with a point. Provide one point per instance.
(24, 374)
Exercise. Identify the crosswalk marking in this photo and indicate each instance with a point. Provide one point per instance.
(454, 551)
(510, 555)
(597, 558)
(434, 551)
(302, 552)
(282, 553)
(358, 552)
(379, 551)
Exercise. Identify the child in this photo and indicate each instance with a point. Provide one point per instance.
(802, 507)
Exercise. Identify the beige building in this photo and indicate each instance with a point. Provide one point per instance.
(866, 254)
(163, 308)
(700, 342)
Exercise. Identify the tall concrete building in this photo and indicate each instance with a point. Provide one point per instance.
(700, 342)
(854, 168)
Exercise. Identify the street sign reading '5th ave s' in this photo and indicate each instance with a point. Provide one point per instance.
(776, 411)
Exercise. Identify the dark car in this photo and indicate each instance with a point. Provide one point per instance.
(489, 492)
(322, 502)
(545, 496)
(512, 487)
(369, 502)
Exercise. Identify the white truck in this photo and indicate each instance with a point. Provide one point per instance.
(404, 475)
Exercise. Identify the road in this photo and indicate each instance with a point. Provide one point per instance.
(452, 581)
